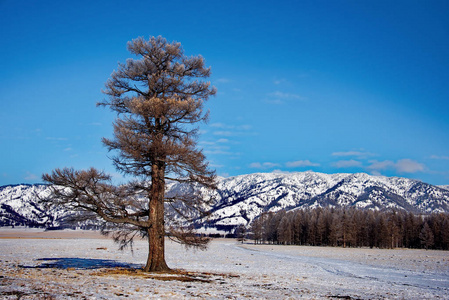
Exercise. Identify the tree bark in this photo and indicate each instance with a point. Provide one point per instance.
(156, 232)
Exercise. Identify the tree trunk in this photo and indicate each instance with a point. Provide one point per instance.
(156, 233)
(156, 252)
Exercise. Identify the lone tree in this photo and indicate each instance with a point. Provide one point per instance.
(158, 100)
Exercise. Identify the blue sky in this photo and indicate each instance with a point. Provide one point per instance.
(328, 86)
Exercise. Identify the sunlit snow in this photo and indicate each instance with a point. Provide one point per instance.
(74, 268)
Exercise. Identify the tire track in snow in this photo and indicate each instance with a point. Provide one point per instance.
(360, 271)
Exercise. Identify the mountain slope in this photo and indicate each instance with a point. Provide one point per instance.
(446, 187)
(239, 200)
(19, 206)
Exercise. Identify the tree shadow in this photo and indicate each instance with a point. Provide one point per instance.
(80, 263)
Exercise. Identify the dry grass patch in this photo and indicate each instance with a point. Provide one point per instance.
(173, 275)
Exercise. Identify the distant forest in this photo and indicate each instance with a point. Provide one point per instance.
(351, 228)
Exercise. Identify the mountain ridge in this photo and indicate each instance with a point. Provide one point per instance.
(240, 199)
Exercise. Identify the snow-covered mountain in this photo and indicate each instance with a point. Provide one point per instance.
(240, 199)
(446, 187)
(19, 205)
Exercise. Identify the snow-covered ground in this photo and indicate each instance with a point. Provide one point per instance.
(86, 268)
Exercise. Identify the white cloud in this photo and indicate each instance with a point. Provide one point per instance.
(380, 165)
(216, 166)
(347, 164)
(220, 143)
(231, 130)
(256, 165)
(31, 176)
(265, 165)
(279, 97)
(214, 148)
(270, 165)
(443, 157)
(409, 166)
(282, 95)
(354, 153)
(244, 127)
(401, 166)
(224, 133)
(279, 81)
(376, 173)
(225, 126)
(56, 138)
(218, 125)
(218, 151)
(221, 146)
(301, 163)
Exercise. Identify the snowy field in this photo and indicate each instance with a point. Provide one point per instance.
(58, 265)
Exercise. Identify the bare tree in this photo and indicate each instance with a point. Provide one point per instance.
(158, 100)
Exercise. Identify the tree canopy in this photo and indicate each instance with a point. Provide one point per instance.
(159, 100)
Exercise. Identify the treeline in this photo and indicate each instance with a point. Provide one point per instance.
(352, 228)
